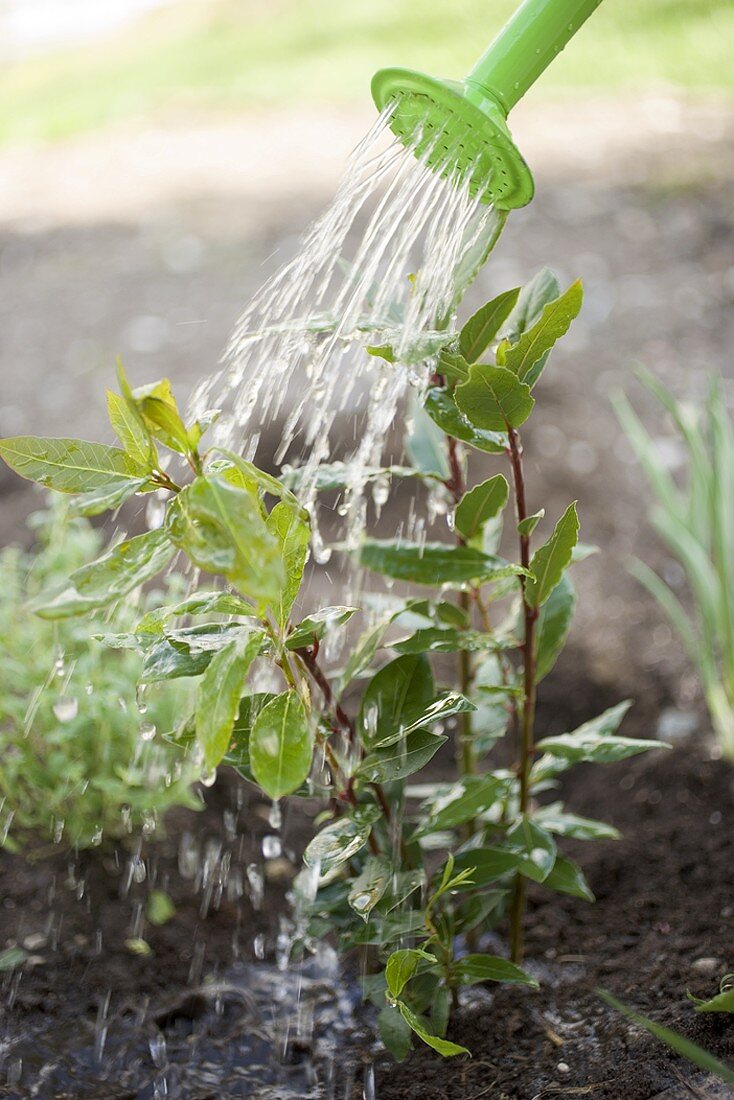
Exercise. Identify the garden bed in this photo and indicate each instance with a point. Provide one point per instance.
(195, 1017)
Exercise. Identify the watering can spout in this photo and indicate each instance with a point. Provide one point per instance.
(459, 128)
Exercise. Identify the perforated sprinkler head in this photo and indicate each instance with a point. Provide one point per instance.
(459, 128)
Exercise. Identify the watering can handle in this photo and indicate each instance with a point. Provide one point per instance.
(524, 48)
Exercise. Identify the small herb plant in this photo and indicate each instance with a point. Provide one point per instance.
(77, 762)
(695, 519)
(409, 874)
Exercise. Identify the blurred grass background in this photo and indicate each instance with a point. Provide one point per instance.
(203, 57)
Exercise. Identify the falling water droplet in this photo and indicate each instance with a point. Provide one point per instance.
(275, 817)
(140, 698)
(66, 708)
(89, 688)
(272, 847)
(147, 731)
(208, 777)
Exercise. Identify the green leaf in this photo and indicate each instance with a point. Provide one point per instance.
(337, 843)
(116, 573)
(566, 877)
(293, 535)
(490, 968)
(159, 411)
(367, 888)
(70, 465)
(383, 351)
(479, 331)
(536, 847)
(481, 503)
(238, 753)
(426, 446)
(722, 1002)
(534, 296)
(452, 366)
(493, 398)
(684, 1047)
(436, 639)
(554, 622)
(402, 965)
(313, 628)
(443, 410)
(130, 429)
(551, 560)
(106, 500)
(245, 475)
(527, 526)
(555, 820)
(218, 697)
(454, 805)
(417, 716)
(394, 1032)
(433, 563)
(187, 652)
(400, 691)
(441, 1046)
(11, 958)
(403, 759)
(527, 357)
(222, 530)
(281, 746)
(594, 742)
(487, 865)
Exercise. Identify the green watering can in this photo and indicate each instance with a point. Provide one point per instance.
(460, 127)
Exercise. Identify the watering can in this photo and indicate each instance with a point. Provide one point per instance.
(459, 128)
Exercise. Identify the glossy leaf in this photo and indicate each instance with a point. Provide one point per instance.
(433, 563)
(313, 628)
(222, 530)
(130, 429)
(397, 693)
(595, 742)
(426, 446)
(402, 759)
(338, 842)
(443, 410)
(70, 465)
(536, 847)
(556, 820)
(481, 503)
(479, 331)
(368, 887)
(394, 1032)
(722, 1002)
(459, 803)
(534, 296)
(107, 500)
(441, 1046)
(218, 697)
(281, 746)
(527, 526)
(160, 414)
(293, 536)
(554, 622)
(527, 357)
(494, 399)
(444, 706)
(566, 877)
(550, 561)
(402, 965)
(487, 864)
(490, 968)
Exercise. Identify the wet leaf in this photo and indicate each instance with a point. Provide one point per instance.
(554, 622)
(566, 877)
(218, 696)
(441, 1046)
(106, 500)
(426, 446)
(534, 297)
(490, 968)
(556, 820)
(403, 759)
(394, 1032)
(479, 331)
(481, 503)
(293, 535)
(444, 706)
(494, 399)
(487, 864)
(281, 746)
(314, 627)
(368, 888)
(398, 693)
(443, 410)
(527, 357)
(550, 561)
(159, 411)
(459, 803)
(433, 563)
(402, 965)
(130, 429)
(338, 842)
(536, 847)
(595, 742)
(70, 465)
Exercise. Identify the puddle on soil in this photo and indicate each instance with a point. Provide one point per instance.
(259, 1032)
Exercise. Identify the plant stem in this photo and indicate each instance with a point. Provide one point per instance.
(526, 745)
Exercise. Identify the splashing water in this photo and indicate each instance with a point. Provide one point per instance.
(298, 356)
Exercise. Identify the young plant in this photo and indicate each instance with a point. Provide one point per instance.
(77, 762)
(409, 875)
(695, 519)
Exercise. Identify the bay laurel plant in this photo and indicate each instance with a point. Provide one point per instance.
(694, 515)
(409, 874)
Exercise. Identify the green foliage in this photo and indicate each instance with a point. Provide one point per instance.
(402, 869)
(75, 763)
(695, 519)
